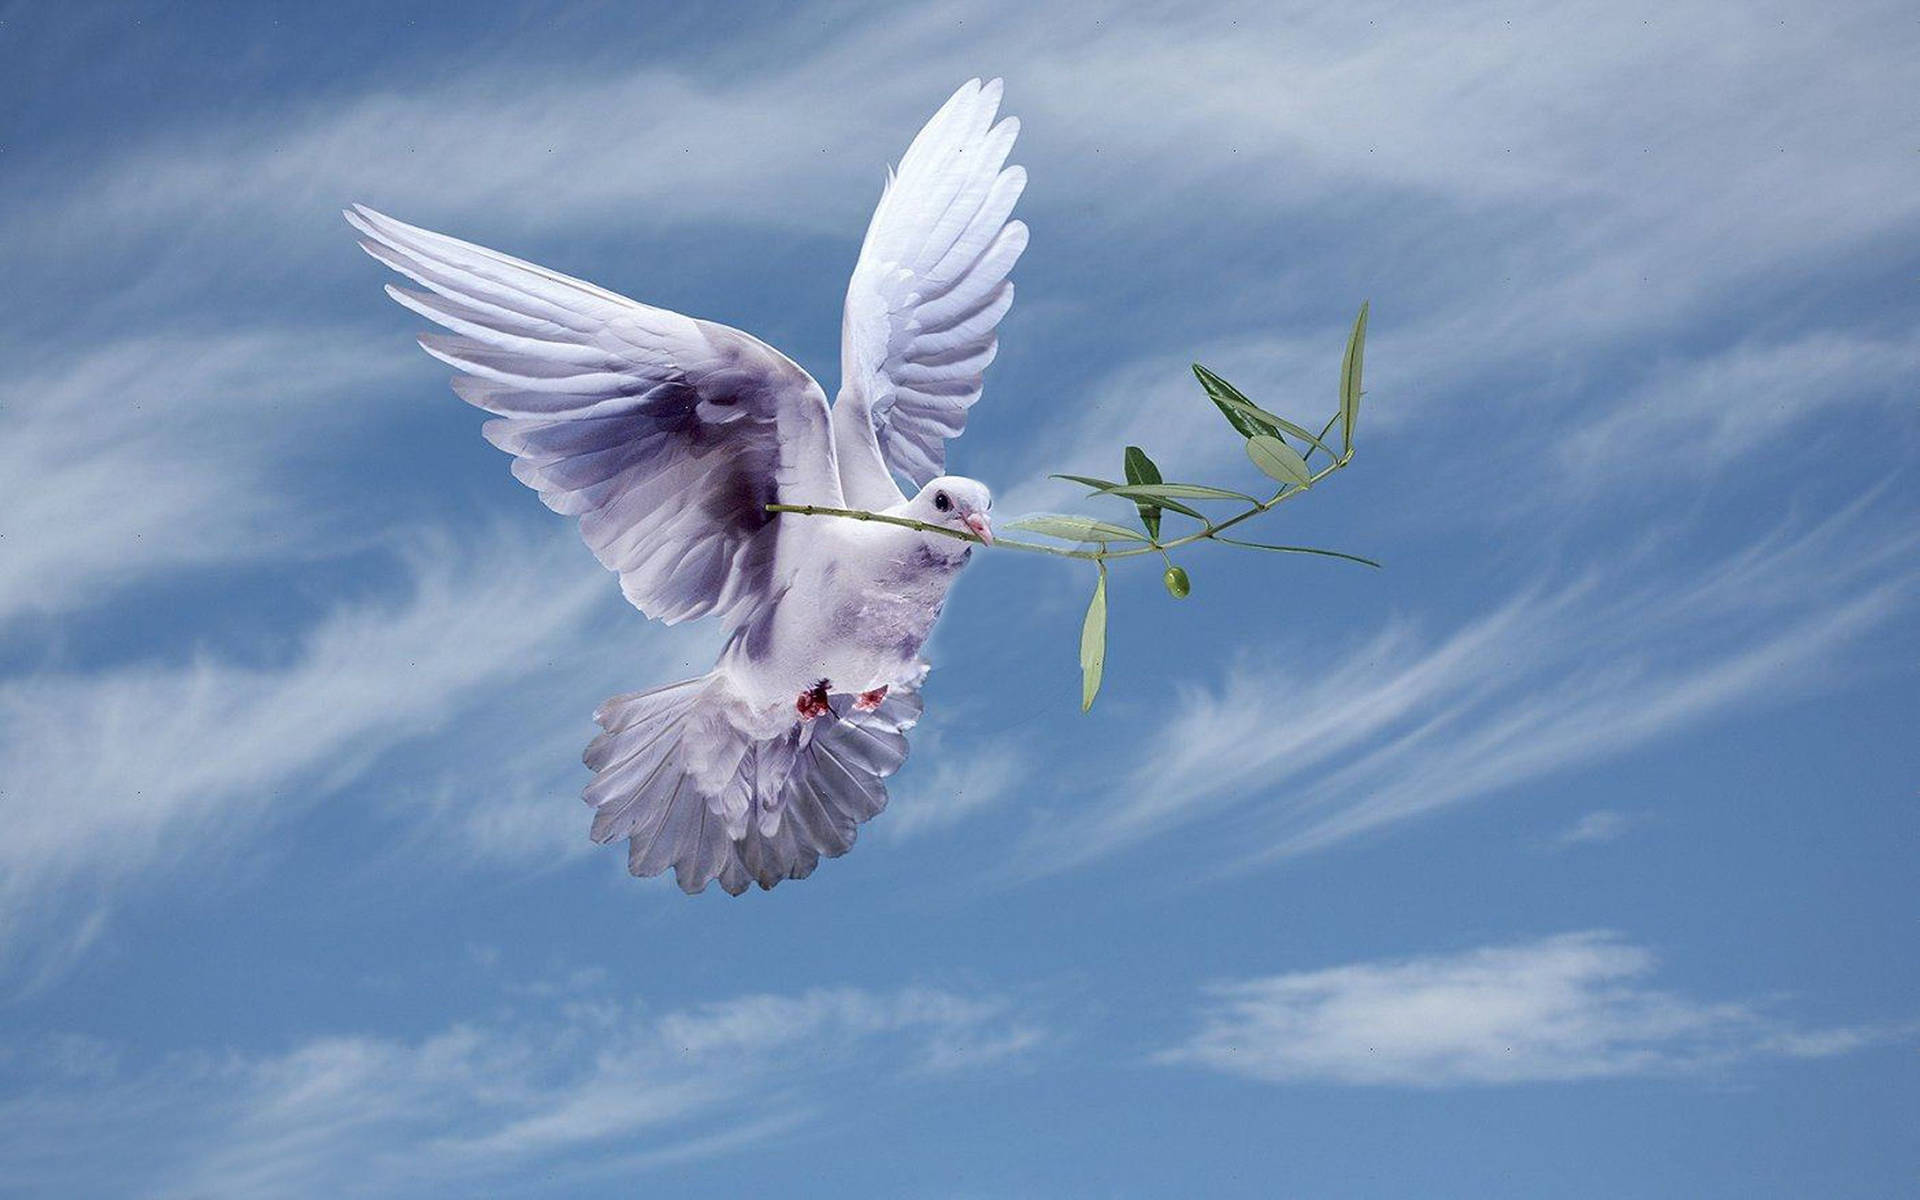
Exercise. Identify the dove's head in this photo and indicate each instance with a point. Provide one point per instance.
(955, 502)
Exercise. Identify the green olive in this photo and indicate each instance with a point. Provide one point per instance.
(1178, 585)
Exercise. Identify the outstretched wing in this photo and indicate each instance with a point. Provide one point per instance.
(667, 436)
(929, 289)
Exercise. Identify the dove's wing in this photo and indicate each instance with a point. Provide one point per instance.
(927, 293)
(667, 436)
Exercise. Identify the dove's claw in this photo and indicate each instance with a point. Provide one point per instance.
(869, 701)
(813, 702)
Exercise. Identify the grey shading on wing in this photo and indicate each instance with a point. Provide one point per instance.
(793, 800)
(927, 294)
(665, 435)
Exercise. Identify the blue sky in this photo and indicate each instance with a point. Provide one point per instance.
(1571, 854)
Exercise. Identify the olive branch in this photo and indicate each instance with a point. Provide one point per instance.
(1266, 437)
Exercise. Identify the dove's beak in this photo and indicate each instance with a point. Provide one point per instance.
(978, 523)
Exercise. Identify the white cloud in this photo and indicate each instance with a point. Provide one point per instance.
(120, 461)
(1402, 725)
(1577, 1006)
(518, 804)
(1724, 406)
(1505, 112)
(586, 1089)
(649, 143)
(962, 782)
(121, 774)
(522, 808)
(1600, 825)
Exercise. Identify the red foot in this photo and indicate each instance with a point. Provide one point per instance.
(869, 701)
(813, 702)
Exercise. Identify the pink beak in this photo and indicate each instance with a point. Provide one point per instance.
(978, 523)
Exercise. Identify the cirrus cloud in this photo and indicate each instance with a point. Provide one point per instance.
(1573, 1007)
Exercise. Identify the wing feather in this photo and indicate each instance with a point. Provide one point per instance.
(927, 295)
(665, 435)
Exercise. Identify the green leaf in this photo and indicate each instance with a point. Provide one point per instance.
(1262, 420)
(1301, 433)
(1098, 485)
(1153, 492)
(1279, 460)
(1075, 528)
(1350, 377)
(1178, 585)
(1243, 414)
(1252, 419)
(1298, 550)
(1093, 643)
(1140, 469)
(1183, 491)
(1276, 424)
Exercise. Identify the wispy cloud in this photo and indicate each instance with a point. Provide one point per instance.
(1577, 1006)
(125, 773)
(1491, 110)
(154, 453)
(594, 1079)
(517, 804)
(1402, 725)
(963, 782)
(1722, 407)
(1600, 825)
(655, 143)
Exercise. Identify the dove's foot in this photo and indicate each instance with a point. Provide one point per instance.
(869, 701)
(813, 702)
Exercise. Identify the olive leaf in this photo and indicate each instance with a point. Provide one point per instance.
(1098, 485)
(1254, 419)
(1140, 469)
(1075, 528)
(1182, 491)
(1157, 494)
(1093, 643)
(1298, 431)
(1248, 418)
(1279, 461)
(1350, 376)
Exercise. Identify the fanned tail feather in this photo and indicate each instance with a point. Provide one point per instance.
(676, 776)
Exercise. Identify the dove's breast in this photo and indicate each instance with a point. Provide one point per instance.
(891, 614)
(858, 616)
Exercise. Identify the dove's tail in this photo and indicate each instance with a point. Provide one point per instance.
(683, 773)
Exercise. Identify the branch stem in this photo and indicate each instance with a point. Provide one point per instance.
(1211, 531)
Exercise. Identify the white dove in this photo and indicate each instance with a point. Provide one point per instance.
(668, 436)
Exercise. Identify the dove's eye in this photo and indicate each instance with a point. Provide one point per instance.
(941, 502)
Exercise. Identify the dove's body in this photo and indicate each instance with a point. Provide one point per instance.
(668, 437)
(856, 614)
